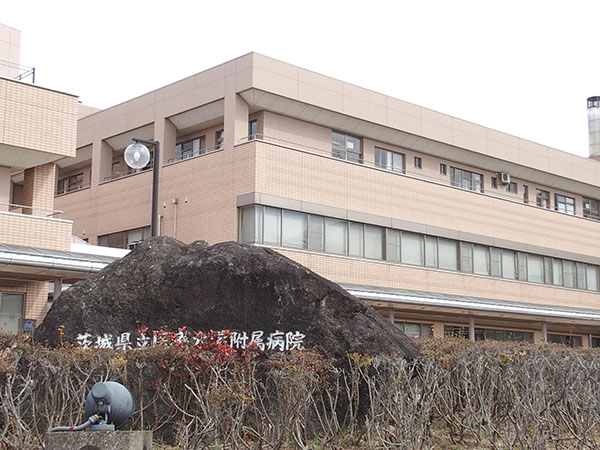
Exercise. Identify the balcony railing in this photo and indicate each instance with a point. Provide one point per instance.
(192, 154)
(21, 209)
(126, 173)
(22, 72)
(73, 188)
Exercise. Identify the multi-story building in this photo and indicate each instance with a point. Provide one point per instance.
(445, 226)
(38, 127)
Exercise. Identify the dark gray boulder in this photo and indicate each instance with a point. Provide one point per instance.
(228, 286)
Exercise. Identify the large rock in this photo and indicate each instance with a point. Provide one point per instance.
(229, 286)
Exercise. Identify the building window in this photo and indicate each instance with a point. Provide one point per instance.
(418, 162)
(591, 208)
(252, 129)
(115, 169)
(511, 187)
(565, 339)
(124, 239)
(466, 180)
(192, 147)
(542, 198)
(70, 184)
(443, 169)
(415, 330)
(389, 160)
(482, 334)
(346, 147)
(494, 182)
(525, 194)
(11, 311)
(219, 139)
(564, 204)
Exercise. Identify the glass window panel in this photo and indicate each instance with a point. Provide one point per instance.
(426, 330)
(398, 162)
(508, 264)
(336, 236)
(294, 229)
(495, 262)
(338, 140)
(412, 248)
(580, 275)
(522, 266)
(592, 277)
(568, 273)
(12, 304)
(431, 251)
(448, 254)
(547, 270)
(316, 239)
(481, 260)
(412, 329)
(250, 231)
(535, 268)
(557, 272)
(393, 245)
(466, 257)
(272, 226)
(356, 240)
(374, 242)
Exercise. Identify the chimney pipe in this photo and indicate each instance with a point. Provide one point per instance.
(593, 108)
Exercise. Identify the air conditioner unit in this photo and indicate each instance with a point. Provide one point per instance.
(504, 177)
(133, 245)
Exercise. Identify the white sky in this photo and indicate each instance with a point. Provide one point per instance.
(523, 67)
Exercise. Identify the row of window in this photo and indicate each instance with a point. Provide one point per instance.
(124, 239)
(348, 147)
(286, 228)
(70, 184)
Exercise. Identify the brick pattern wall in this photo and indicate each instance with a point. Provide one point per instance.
(38, 190)
(35, 118)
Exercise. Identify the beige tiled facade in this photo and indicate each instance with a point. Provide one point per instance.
(289, 165)
(38, 127)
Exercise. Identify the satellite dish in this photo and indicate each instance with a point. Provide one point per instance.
(137, 156)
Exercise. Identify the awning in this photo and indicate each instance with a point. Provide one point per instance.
(474, 304)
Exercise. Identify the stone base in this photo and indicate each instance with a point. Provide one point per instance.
(99, 440)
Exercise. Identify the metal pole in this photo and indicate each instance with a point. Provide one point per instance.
(154, 226)
(155, 166)
(471, 329)
(544, 332)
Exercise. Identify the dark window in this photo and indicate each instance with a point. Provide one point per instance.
(124, 239)
(564, 204)
(219, 139)
(443, 169)
(418, 163)
(389, 160)
(565, 339)
(511, 187)
(591, 208)
(466, 180)
(542, 198)
(192, 147)
(494, 182)
(252, 129)
(69, 184)
(344, 146)
(525, 194)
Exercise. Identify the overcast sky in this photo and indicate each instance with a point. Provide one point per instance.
(522, 67)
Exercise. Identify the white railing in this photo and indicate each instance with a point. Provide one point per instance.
(19, 209)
